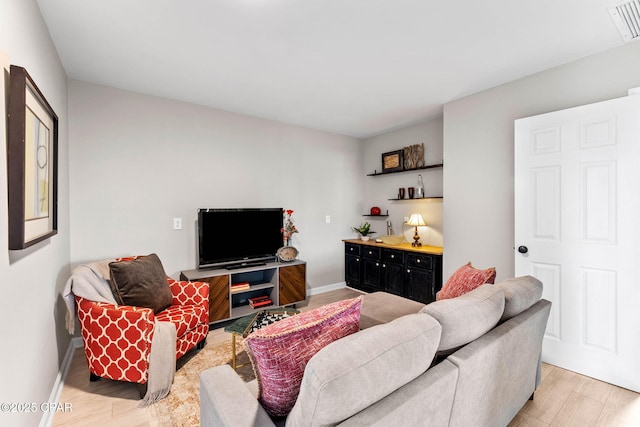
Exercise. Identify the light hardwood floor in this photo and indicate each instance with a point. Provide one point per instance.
(563, 399)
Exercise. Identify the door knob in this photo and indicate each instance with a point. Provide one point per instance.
(523, 249)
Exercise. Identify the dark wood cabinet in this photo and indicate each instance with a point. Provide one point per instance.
(414, 273)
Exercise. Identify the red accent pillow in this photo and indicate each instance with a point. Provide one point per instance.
(280, 352)
(466, 279)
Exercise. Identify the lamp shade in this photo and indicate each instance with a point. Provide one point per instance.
(416, 220)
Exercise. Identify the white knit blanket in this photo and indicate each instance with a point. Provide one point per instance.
(89, 281)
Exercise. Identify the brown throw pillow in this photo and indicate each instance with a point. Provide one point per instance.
(140, 282)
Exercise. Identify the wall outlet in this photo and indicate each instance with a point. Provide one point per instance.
(177, 223)
(327, 219)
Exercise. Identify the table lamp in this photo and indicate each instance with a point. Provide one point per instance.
(416, 220)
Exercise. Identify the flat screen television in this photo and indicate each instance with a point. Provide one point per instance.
(235, 237)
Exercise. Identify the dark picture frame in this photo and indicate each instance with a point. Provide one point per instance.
(392, 161)
(32, 162)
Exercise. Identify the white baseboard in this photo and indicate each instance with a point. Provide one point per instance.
(326, 288)
(47, 418)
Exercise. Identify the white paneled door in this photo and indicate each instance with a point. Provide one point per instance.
(577, 228)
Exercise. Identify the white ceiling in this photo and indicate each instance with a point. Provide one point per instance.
(354, 67)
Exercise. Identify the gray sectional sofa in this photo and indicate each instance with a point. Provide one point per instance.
(473, 360)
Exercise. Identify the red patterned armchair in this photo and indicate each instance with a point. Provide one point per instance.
(117, 338)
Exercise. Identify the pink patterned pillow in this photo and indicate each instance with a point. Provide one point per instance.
(466, 279)
(280, 352)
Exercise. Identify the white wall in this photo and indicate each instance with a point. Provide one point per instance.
(379, 189)
(138, 161)
(31, 311)
(478, 150)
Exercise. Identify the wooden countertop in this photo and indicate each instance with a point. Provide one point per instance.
(406, 246)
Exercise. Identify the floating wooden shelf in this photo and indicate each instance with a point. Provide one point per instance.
(415, 199)
(406, 170)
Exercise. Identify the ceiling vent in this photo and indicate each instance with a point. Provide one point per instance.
(627, 19)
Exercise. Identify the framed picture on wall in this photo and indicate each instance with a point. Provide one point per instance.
(32, 163)
(392, 161)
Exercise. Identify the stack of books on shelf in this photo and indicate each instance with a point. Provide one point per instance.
(240, 287)
(261, 301)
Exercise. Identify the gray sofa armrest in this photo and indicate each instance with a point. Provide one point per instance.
(225, 400)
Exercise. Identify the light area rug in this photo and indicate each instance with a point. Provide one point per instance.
(182, 406)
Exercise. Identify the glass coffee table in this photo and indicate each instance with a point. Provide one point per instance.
(243, 326)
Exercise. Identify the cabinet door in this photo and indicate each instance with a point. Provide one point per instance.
(371, 270)
(352, 270)
(420, 285)
(293, 284)
(393, 278)
(219, 307)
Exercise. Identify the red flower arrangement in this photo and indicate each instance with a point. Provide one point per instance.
(289, 228)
